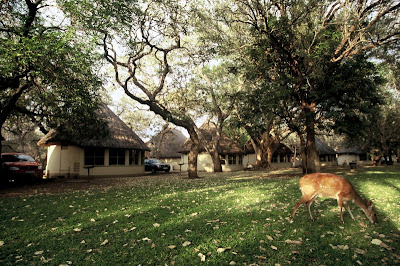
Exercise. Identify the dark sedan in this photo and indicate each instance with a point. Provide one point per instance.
(20, 168)
(155, 165)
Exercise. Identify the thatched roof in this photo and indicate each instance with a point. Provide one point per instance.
(120, 135)
(281, 150)
(323, 148)
(166, 143)
(207, 131)
(350, 150)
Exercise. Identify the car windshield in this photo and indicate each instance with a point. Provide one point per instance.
(153, 161)
(17, 158)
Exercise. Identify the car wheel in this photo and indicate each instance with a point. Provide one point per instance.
(153, 170)
(166, 171)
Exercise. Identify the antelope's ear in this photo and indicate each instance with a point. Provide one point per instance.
(370, 204)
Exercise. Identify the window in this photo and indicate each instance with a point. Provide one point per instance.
(363, 157)
(117, 157)
(134, 156)
(141, 158)
(94, 156)
(322, 158)
(240, 159)
(232, 159)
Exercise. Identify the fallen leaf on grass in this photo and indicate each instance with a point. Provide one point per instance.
(385, 246)
(156, 225)
(376, 242)
(1, 243)
(360, 251)
(37, 253)
(220, 250)
(202, 256)
(274, 248)
(296, 242)
(186, 243)
(269, 237)
(44, 260)
(104, 243)
(342, 247)
(171, 246)
(77, 229)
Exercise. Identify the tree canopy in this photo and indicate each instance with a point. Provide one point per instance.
(46, 69)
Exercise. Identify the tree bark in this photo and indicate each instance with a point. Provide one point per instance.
(216, 161)
(312, 164)
(303, 153)
(193, 153)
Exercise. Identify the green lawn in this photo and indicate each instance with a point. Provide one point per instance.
(231, 218)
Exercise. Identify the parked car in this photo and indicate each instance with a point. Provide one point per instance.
(20, 168)
(155, 165)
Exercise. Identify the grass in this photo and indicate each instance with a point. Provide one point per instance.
(237, 218)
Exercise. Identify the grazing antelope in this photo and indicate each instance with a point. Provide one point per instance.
(332, 186)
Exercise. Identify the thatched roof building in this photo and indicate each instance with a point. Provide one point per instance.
(207, 132)
(323, 148)
(119, 135)
(281, 150)
(350, 150)
(166, 143)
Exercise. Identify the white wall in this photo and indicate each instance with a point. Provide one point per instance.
(174, 162)
(68, 161)
(351, 158)
(205, 164)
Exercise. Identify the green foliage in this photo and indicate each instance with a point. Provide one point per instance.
(350, 95)
(52, 62)
(240, 217)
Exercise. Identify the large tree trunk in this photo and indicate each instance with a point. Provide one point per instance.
(257, 150)
(193, 153)
(303, 153)
(264, 148)
(312, 165)
(269, 154)
(216, 161)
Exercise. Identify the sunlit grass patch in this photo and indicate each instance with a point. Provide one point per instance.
(220, 219)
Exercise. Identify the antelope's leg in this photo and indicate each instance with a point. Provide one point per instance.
(346, 205)
(309, 206)
(340, 204)
(304, 199)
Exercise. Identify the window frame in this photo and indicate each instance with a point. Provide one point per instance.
(97, 156)
(116, 157)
